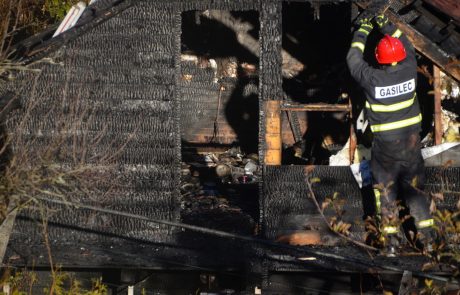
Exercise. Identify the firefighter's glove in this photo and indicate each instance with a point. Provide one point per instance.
(381, 20)
(365, 25)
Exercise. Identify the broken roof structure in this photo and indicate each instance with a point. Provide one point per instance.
(119, 73)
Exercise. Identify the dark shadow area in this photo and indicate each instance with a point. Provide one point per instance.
(317, 37)
(425, 94)
(225, 108)
(242, 114)
(208, 37)
(220, 119)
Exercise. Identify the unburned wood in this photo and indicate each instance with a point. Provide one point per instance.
(273, 132)
(437, 106)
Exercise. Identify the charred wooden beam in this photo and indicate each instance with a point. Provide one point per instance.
(374, 7)
(36, 47)
(449, 7)
(448, 64)
(295, 126)
(315, 107)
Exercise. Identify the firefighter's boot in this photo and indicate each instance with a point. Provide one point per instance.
(425, 239)
(392, 244)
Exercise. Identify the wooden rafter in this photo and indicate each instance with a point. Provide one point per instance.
(448, 64)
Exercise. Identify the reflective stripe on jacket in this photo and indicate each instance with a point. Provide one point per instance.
(391, 101)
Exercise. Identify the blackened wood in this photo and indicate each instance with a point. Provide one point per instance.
(447, 63)
(449, 7)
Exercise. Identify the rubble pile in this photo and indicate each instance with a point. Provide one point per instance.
(211, 194)
(235, 167)
(450, 91)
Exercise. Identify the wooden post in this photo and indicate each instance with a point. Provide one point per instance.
(353, 139)
(437, 106)
(272, 132)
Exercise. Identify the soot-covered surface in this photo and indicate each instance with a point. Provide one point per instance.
(119, 79)
(287, 207)
(133, 90)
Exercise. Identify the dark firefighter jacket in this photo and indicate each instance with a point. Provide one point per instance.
(392, 106)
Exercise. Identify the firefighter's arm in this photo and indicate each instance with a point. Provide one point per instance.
(359, 68)
(387, 27)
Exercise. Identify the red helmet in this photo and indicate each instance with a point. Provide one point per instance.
(390, 50)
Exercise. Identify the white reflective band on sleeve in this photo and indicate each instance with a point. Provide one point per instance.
(359, 45)
(397, 34)
(390, 229)
(397, 124)
(391, 107)
(426, 223)
(395, 90)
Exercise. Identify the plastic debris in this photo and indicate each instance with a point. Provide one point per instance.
(71, 18)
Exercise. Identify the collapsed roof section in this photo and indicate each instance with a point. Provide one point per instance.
(432, 26)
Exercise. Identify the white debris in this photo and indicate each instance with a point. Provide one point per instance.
(362, 122)
(437, 149)
(71, 18)
(342, 158)
(362, 173)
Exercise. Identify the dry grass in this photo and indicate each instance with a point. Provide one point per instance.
(52, 151)
(59, 155)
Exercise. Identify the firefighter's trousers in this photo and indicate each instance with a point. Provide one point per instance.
(398, 177)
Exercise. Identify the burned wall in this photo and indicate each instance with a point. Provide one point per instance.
(118, 80)
(124, 78)
(219, 77)
(288, 207)
(314, 71)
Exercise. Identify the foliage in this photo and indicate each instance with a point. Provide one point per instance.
(56, 157)
(431, 288)
(60, 160)
(18, 283)
(57, 9)
(336, 223)
(446, 249)
(20, 19)
(63, 283)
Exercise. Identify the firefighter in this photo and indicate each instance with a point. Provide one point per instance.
(393, 112)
